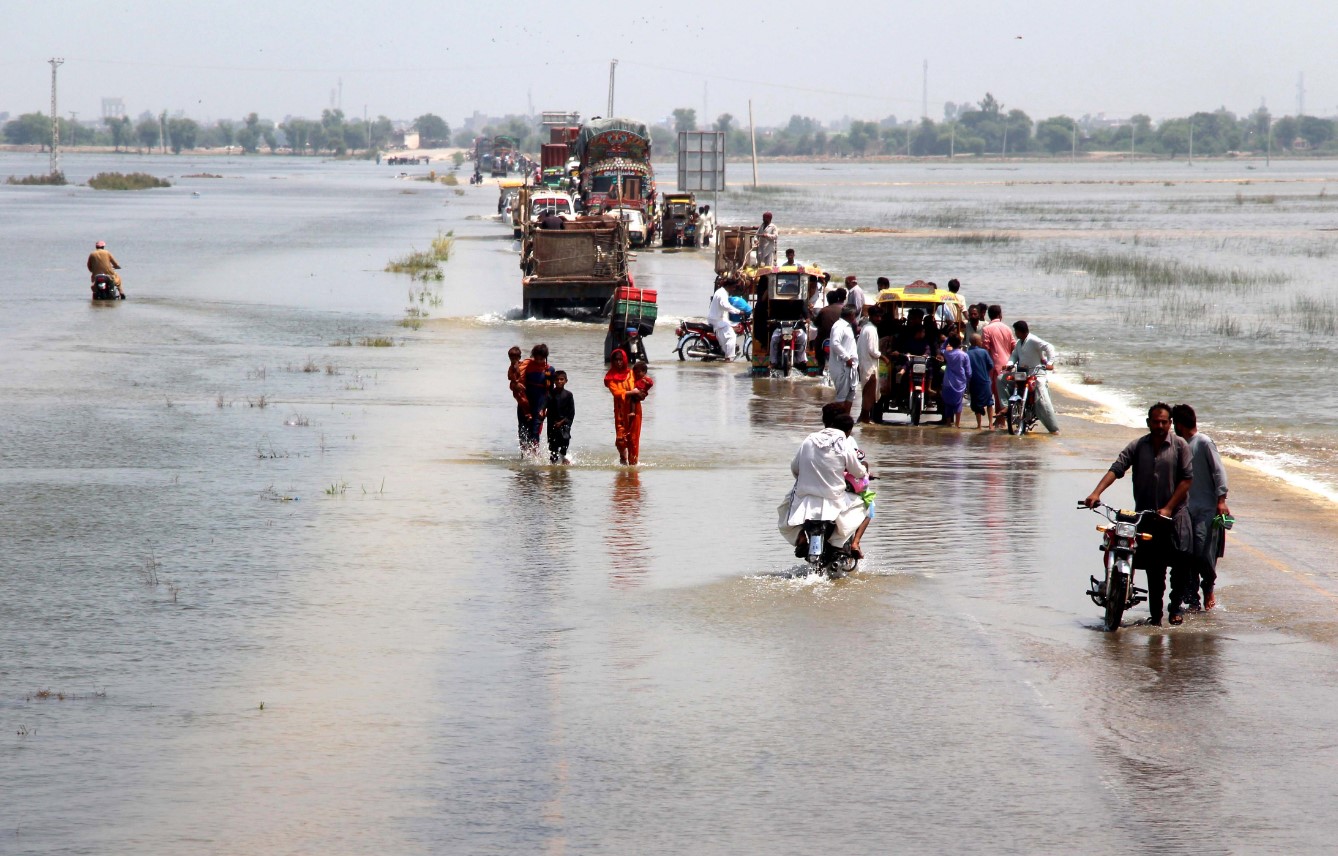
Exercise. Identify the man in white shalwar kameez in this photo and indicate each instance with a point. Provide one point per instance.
(1028, 353)
(718, 317)
(843, 364)
(819, 493)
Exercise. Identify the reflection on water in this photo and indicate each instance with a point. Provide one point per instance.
(627, 534)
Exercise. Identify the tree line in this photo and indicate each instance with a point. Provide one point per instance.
(332, 133)
(987, 128)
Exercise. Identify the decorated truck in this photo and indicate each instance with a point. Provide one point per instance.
(503, 155)
(614, 156)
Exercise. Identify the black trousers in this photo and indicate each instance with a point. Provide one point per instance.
(1184, 579)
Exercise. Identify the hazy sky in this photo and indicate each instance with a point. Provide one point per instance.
(403, 58)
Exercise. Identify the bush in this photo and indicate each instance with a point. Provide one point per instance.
(50, 178)
(126, 181)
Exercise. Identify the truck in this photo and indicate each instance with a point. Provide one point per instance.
(615, 170)
(553, 162)
(503, 155)
(574, 270)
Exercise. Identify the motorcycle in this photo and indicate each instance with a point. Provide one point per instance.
(697, 339)
(824, 558)
(105, 288)
(1022, 383)
(1116, 592)
(788, 340)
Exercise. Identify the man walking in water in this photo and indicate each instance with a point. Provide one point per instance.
(1163, 474)
(844, 365)
(767, 238)
(999, 341)
(100, 261)
(1208, 511)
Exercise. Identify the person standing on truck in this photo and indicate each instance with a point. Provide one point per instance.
(767, 238)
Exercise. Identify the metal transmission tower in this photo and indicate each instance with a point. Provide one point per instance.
(55, 118)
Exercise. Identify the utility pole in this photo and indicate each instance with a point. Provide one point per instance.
(1268, 156)
(1191, 143)
(1003, 152)
(1133, 133)
(55, 118)
(952, 140)
(752, 132)
(1073, 155)
(613, 67)
(924, 93)
(1300, 95)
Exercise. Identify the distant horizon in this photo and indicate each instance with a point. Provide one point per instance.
(1050, 58)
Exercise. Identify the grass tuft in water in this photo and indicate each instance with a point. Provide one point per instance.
(1143, 271)
(376, 342)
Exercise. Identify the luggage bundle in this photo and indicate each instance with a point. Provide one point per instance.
(635, 308)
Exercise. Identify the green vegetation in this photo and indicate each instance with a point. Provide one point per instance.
(978, 238)
(126, 181)
(51, 178)
(376, 342)
(425, 265)
(1138, 271)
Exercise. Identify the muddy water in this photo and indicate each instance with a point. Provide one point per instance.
(457, 651)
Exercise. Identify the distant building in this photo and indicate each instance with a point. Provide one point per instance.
(404, 139)
(113, 108)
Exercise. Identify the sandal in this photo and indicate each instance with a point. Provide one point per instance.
(856, 553)
(1177, 619)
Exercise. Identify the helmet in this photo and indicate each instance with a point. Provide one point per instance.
(100, 245)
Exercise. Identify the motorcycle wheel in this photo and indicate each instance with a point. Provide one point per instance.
(1015, 417)
(786, 359)
(917, 406)
(639, 350)
(1029, 417)
(1115, 593)
(694, 346)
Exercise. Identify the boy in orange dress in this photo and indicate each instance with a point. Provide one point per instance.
(641, 386)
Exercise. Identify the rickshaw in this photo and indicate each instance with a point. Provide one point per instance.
(679, 220)
(909, 384)
(779, 295)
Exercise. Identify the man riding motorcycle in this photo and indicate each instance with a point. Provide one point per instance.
(827, 462)
(102, 262)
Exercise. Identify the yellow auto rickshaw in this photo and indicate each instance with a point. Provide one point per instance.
(908, 382)
(779, 294)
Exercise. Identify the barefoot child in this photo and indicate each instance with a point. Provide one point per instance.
(980, 387)
(642, 383)
(561, 413)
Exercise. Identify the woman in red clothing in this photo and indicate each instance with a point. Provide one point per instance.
(626, 406)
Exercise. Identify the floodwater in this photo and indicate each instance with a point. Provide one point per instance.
(268, 589)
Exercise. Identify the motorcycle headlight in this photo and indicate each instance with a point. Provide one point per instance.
(1126, 530)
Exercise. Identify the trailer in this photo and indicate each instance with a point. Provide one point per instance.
(574, 270)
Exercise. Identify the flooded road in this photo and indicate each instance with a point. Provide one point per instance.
(267, 591)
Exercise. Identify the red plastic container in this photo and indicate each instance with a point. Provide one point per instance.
(645, 295)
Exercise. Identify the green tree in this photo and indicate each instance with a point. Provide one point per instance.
(121, 129)
(432, 129)
(924, 139)
(1314, 130)
(182, 133)
(1285, 132)
(148, 132)
(249, 135)
(29, 129)
(724, 123)
(332, 123)
(1055, 134)
(227, 131)
(685, 119)
(381, 130)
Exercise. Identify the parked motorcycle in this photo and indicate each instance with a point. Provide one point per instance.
(105, 288)
(1022, 383)
(697, 339)
(1116, 592)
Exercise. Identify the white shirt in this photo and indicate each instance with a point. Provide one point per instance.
(843, 342)
(1032, 352)
(819, 469)
(718, 314)
(868, 349)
